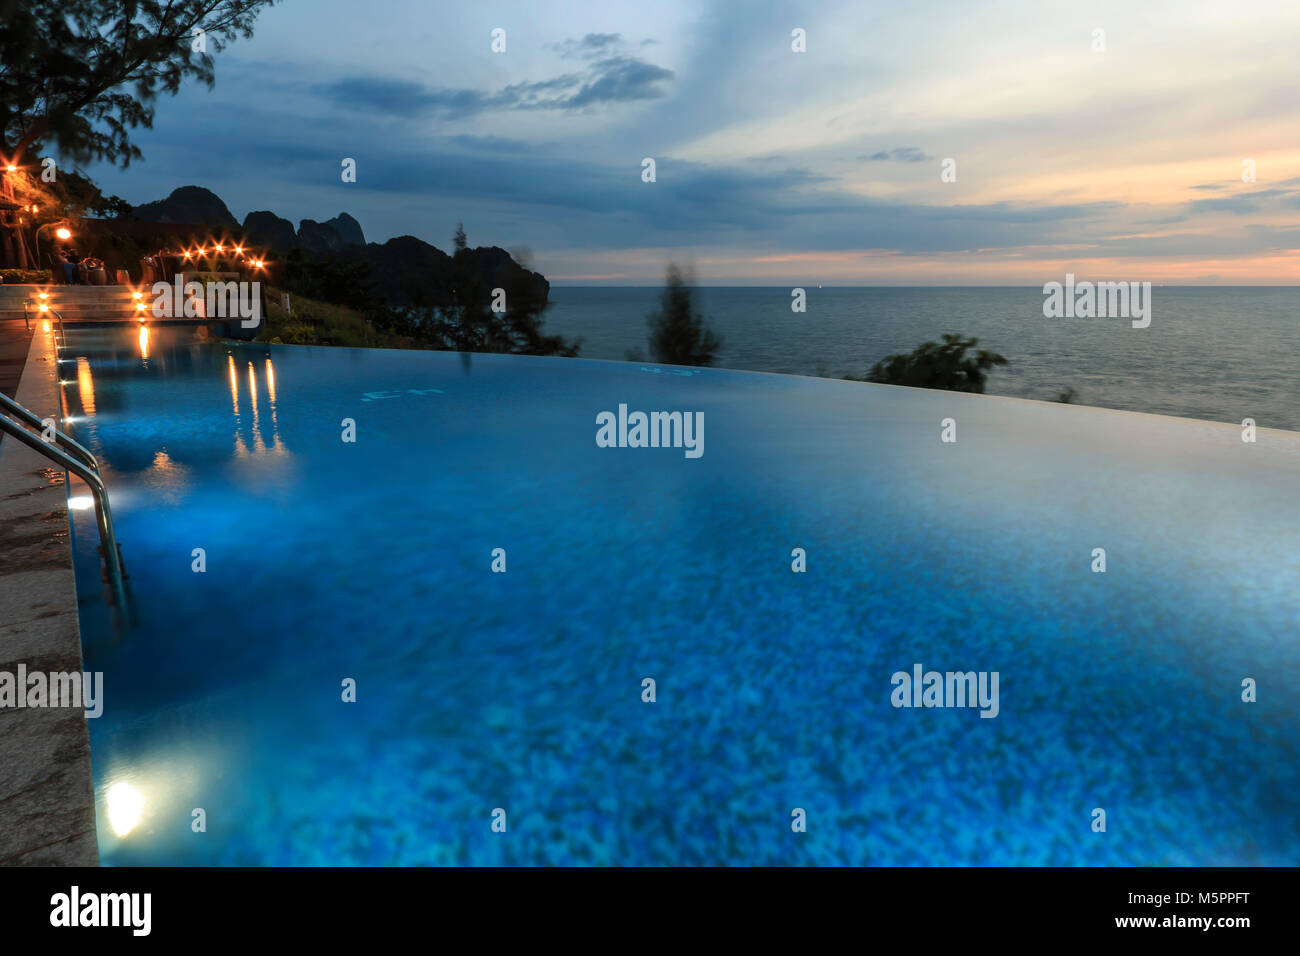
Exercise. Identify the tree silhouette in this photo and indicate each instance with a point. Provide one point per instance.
(78, 74)
(467, 321)
(678, 335)
(938, 365)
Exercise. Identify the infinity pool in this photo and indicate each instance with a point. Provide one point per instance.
(325, 561)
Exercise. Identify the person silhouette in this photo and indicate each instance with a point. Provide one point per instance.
(69, 268)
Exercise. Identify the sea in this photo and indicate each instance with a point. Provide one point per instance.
(1217, 353)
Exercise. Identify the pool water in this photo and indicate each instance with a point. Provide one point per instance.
(476, 692)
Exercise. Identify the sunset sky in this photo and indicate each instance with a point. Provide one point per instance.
(773, 167)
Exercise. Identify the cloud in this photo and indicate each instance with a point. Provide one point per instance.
(591, 45)
(619, 80)
(609, 77)
(387, 97)
(493, 144)
(1238, 205)
(903, 154)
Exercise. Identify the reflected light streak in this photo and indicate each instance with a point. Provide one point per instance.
(234, 385)
(259, 446)
(86, 386)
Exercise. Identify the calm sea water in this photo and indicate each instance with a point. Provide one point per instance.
(1222, 354)
(327, 560)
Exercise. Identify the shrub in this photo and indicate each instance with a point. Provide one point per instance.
(935, 365)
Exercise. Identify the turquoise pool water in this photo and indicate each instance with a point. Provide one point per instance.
(522, 691)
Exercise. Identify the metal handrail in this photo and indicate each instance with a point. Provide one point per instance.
(60, 332)
(71, 445)
(85, 467)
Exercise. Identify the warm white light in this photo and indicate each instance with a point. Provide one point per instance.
(125, 807)
(81, 502)
(47, 326)
(63, 233)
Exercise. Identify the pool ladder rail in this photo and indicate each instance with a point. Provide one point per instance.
(17, 421)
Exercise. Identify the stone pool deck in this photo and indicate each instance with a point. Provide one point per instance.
(15, 341)
(47, 802)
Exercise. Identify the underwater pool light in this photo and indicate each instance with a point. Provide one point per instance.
(125, 807)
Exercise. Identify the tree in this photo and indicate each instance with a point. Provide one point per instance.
(678, 334)
(330, 278)
(78, 75)
(935, 365)
(466, 320)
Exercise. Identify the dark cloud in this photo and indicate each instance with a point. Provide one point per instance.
(903, 154)
(493, 144)
(1248, 202)
(591, 45)
(386, 97)
(613, 79)
(620, 79)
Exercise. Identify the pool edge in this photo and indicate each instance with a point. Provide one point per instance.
(47, 797)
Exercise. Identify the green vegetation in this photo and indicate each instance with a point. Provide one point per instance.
(678, 334)
(314, 322)
(473, 317)
(336, 302)
(328, 278)
(937, 365)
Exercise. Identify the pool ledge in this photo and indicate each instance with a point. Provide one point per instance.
(47, 800)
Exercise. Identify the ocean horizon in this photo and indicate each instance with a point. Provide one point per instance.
(1219, 353)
